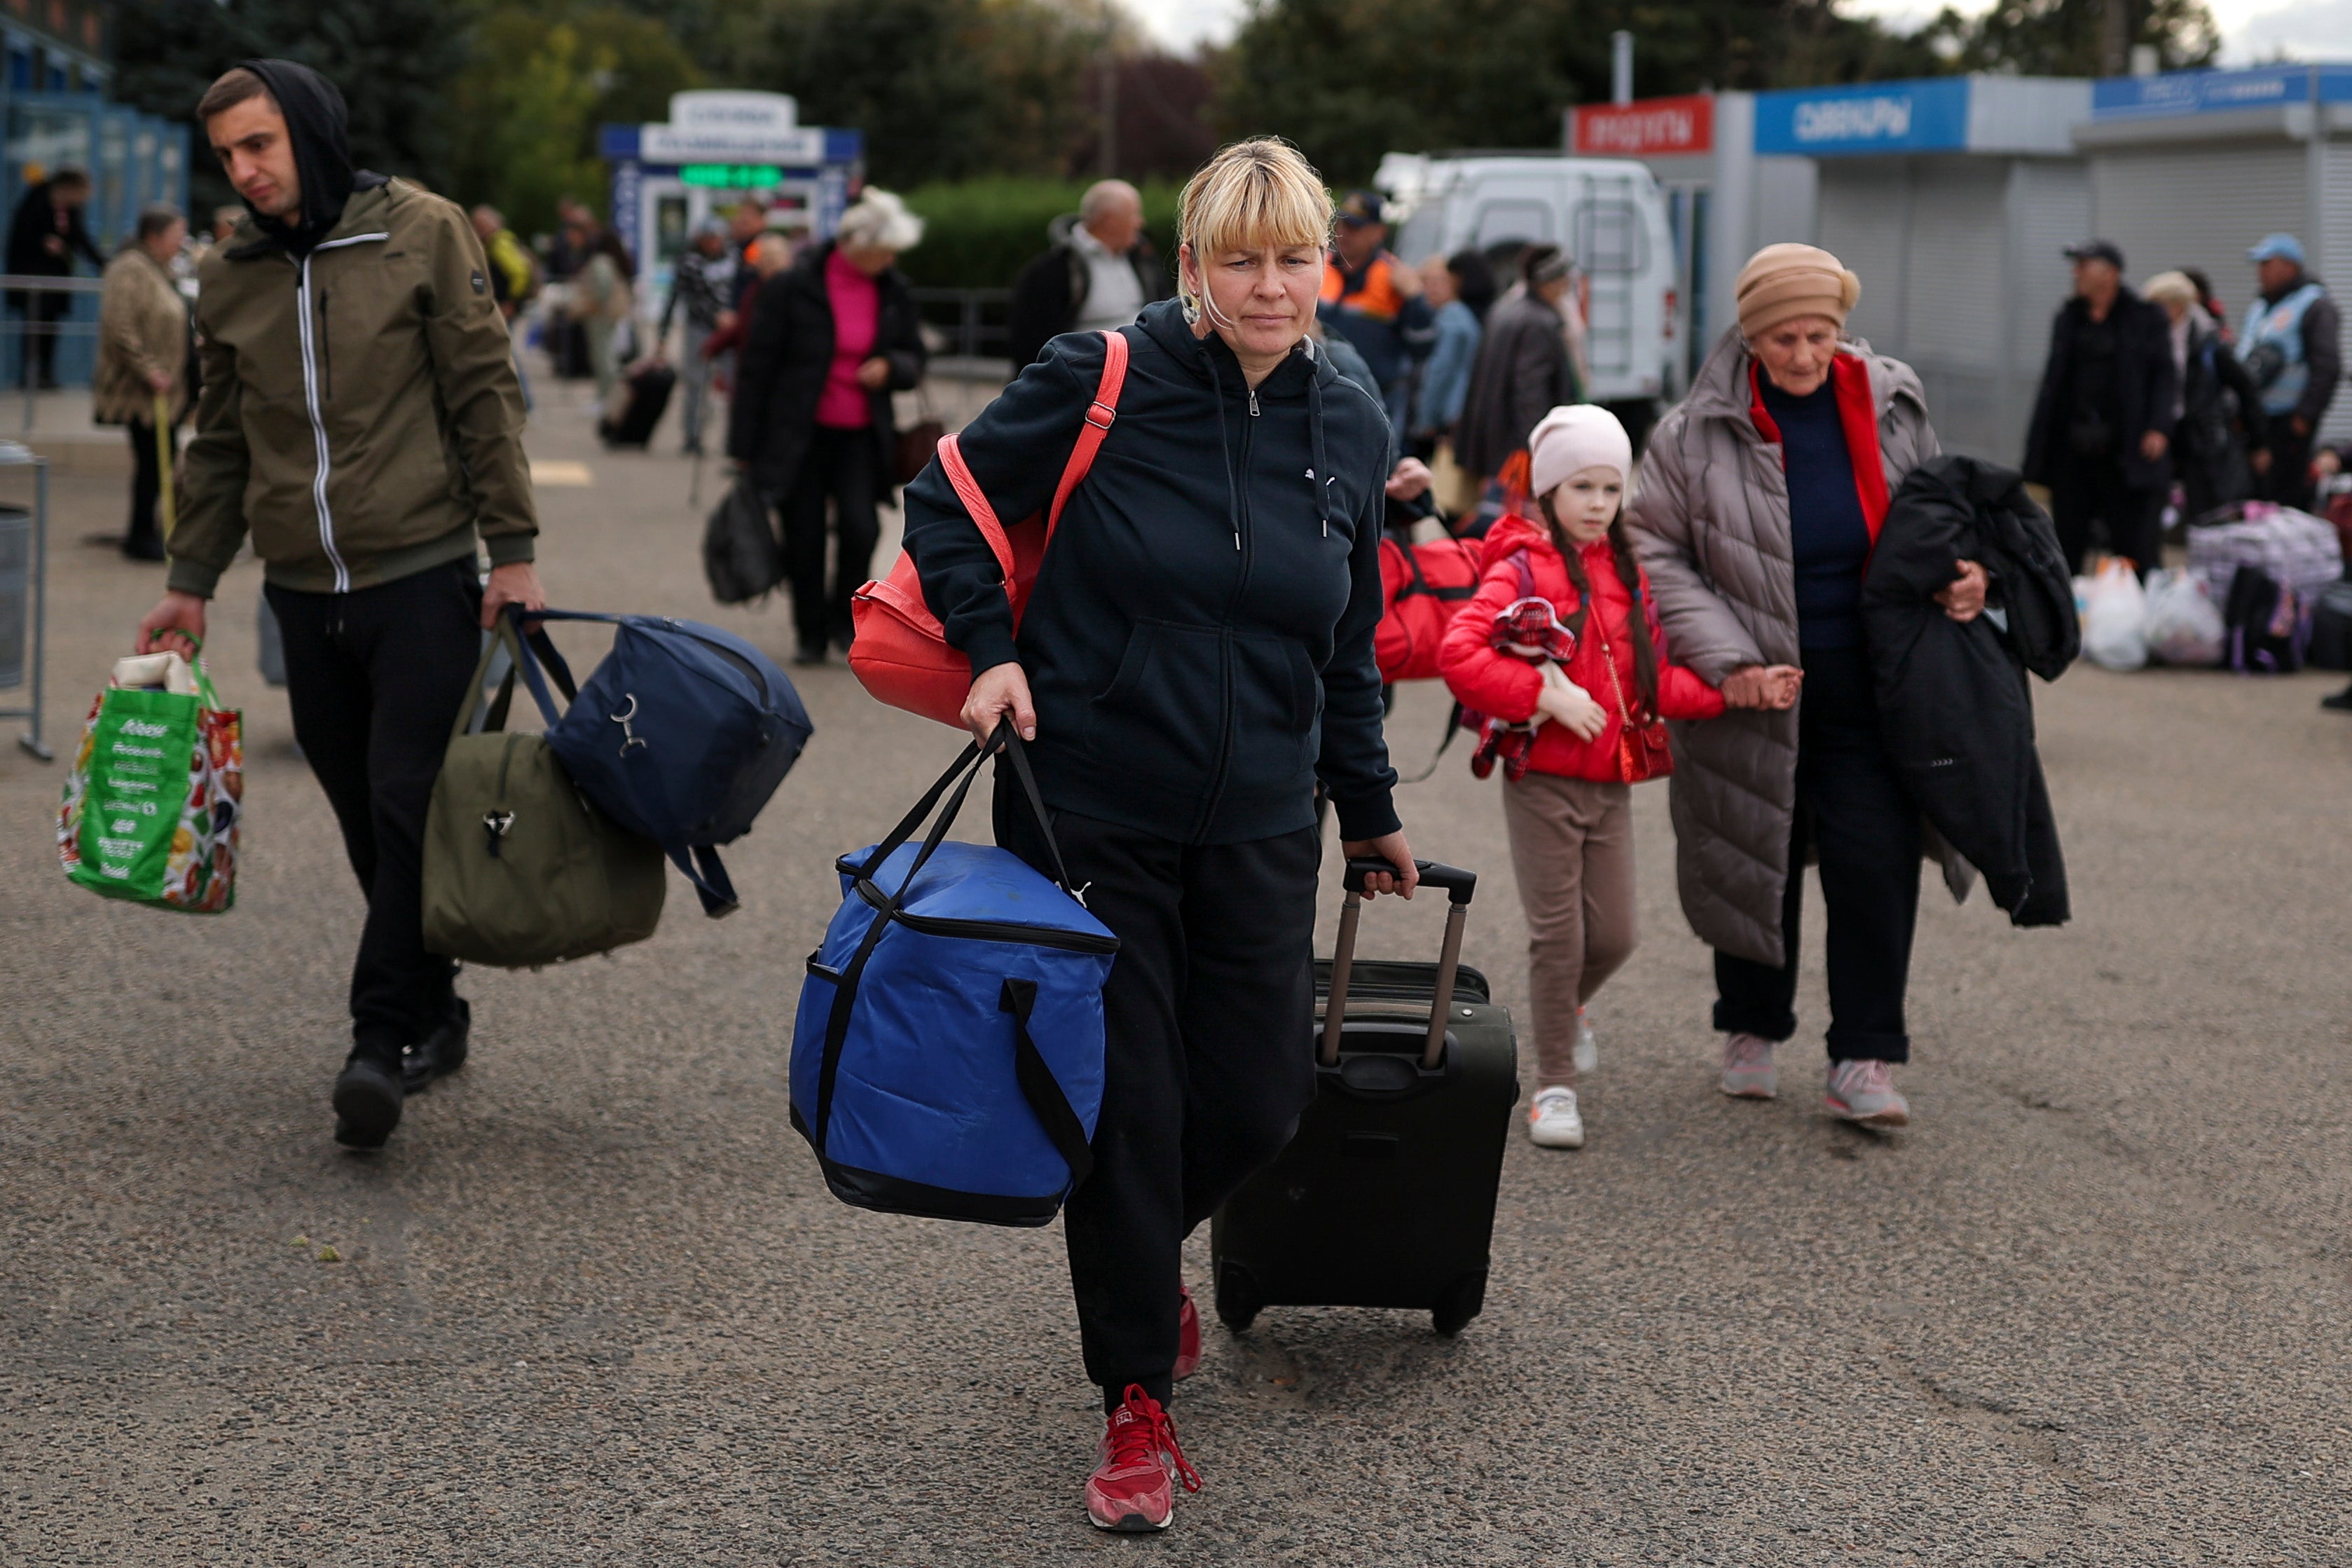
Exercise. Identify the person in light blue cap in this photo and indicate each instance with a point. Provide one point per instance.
(2291, 345)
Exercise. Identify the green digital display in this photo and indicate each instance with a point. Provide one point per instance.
(732, 177)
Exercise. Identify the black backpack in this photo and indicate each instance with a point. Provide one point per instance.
(2267, 626)
(741, 553)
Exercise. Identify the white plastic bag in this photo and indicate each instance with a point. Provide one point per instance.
(2114, 618)
(2183, 626)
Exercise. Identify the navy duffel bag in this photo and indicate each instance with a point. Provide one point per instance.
(948, 1058)
(680, 735)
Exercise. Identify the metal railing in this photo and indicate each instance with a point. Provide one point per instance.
(17, 324)
(972, 321)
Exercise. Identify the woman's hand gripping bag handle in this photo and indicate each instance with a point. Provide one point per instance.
(901, 653)
(1460, 887)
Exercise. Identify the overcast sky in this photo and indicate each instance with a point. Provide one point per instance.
(2251, 30)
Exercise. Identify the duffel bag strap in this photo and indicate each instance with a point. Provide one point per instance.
(1039, 1087)
(711, 884)
(520, 648)
(959, 777)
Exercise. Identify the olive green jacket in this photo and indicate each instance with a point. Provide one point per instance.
(360, 416)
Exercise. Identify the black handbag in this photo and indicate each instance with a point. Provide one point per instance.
(741, 553)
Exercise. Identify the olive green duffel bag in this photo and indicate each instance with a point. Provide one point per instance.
(519, 868)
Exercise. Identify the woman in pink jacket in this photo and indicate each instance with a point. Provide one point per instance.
(1551, 643)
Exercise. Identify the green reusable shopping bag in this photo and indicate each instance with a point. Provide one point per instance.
(519, 868)
(153, 799)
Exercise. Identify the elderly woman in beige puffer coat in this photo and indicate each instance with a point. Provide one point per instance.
(142, 355)
(1760, 496)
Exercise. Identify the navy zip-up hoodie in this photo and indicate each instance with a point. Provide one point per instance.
(1200, 639)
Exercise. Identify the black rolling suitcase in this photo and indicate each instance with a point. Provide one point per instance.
(1386, 1197)
(642, 402)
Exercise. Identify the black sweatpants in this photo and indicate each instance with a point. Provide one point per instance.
(2088, 491)
(375, 678)
(1210, 1013)
(2288, 479)
(146, 486)
(1853, 814)
(839, 467)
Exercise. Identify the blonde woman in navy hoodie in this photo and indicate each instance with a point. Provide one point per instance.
(1197, 654)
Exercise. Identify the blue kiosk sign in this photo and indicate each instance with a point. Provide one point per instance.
(1925, 116)
(719, 148)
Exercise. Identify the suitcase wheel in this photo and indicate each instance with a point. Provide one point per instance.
(1238, 1299)
(1457, 1305)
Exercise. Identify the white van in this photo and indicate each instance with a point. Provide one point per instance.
(1606, 213)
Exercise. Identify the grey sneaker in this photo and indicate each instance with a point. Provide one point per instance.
(1587, 1049)
(1748, 1067)
(1864, 1092)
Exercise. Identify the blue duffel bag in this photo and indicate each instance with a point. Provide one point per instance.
(948, 1058)
(680, 735)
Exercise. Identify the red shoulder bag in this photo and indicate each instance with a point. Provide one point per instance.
(900, 653)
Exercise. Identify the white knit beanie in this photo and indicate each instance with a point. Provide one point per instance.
(1570, 439)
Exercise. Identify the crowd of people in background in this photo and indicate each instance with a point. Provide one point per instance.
(2147, 390)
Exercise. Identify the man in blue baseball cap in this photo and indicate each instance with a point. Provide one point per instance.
(2291, 345)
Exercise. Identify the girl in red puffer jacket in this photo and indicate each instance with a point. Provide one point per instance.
(1595, 690)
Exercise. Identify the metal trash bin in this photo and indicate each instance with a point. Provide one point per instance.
(15, 594)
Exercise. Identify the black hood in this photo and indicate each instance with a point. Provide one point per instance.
(317, 123)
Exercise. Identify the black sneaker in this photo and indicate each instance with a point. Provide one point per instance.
(440, 1052)
(2341, 701)
(810, 654)
(368, 1097)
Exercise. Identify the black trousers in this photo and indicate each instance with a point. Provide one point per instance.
(1853, 815)
(2288, 482)
(2088, 491)
(375, 678)
(41, 312)
(1211, 1020)
(838, 466)
(146, 486)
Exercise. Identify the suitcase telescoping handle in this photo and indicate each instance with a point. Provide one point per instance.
(1459, 886)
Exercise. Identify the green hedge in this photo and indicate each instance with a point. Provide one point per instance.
(978, 234)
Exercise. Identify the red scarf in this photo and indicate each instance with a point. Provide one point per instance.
(1858, 413)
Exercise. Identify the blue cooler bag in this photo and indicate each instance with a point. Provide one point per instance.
(680, 735)
(948, 1058)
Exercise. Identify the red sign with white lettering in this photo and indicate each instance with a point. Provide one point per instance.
(1650, 128)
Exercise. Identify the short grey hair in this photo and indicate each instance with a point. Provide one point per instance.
(1104, 194)
(156, 217)
(880, 221)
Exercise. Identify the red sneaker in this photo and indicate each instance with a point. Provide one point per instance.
(1133, 1490)
(1188, 1336)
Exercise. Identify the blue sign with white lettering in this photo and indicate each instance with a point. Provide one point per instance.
(2216, 92)
(1929, 115)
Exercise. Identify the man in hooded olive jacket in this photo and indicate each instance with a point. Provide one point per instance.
(361, 422)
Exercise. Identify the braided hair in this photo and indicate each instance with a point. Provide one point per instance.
(1629, 574)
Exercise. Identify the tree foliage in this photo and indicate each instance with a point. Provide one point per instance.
(1349, 80)
(2064, 37)
(943, 89)
(501, 100)
(543, 80)
(392, 59)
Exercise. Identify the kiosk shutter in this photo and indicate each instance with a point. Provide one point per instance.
(2199, 206)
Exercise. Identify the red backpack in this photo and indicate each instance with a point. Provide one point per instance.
(1422, 588)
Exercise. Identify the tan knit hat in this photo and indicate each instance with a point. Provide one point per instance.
(1781, 282)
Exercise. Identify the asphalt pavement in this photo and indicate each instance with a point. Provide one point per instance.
(593, 1305)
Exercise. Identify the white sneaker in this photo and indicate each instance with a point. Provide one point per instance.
(1552, 1120)
(1587, 1049)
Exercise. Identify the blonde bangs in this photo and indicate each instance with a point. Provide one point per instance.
(1257, 194)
